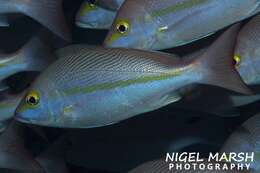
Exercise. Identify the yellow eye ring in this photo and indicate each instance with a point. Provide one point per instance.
(122, 27)
(33, 98)
(237, 59)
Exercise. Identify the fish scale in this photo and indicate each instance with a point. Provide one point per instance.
(91, 64)
(92, 87)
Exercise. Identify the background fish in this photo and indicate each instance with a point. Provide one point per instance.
(33, 56)
(246, 139)
(13, 154)
(52, 160)
(144, 142)
(247, 52)
(124, 79)
(3, 21)
(8, 105)
(94, 17)
(47, 12)
(3, 126)
(153, 24)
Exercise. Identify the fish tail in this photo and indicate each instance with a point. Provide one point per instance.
(35, 55)
(216, 65)
(50, 14)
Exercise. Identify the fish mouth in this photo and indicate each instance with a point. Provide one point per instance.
(86, 24)
(22, 119)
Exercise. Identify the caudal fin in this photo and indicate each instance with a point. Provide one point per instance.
(217, 65)
(35, 55)
(50, 14)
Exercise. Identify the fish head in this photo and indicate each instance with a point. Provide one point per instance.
(133, 27)
(93, 17)
(37, 107)
(247, 62)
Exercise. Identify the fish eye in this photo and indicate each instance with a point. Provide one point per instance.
(122, 27)
(237, 60)
(33, 98)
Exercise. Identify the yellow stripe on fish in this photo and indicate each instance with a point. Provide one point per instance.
(125, 83)
(176, 7)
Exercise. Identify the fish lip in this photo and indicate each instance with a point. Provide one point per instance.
(21, 119)
(88, 26)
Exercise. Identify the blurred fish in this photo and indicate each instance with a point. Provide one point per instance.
(94, 17)
(34, 56)
(47, 12)
(3, 21)
(224, 104)
(3, 126)
(246, 139)
(122, 83)
(110, 4)
(8, 105)
(144, 142)
(52, 160)
(13, 154)
(160, 166)
(155, 25)
(247, 52)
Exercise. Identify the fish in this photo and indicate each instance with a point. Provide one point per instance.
(161, 166)
(94, 17)
(247, 52)
(52, 159)
(3, 126)
(246, 139)
(13, 154)
(144, 142)
(4, 21)
(33, 56)
(113, 5)
(157, 25)
(49, 13)
(112, 85)
(8, 105)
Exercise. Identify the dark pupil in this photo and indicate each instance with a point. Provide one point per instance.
(234, 62)
(32, 100)
(122, 28)
(92, 1)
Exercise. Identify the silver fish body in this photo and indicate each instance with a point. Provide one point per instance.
(47, 12)
(33, 56)
(246, 139)
(90, 87)
(156, 25)
(94, 17)
(247, 52)
(119, 81)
